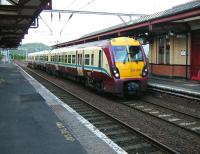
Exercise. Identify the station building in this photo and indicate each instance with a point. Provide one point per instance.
(173, 36)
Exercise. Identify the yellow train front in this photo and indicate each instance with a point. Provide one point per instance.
(129, 66)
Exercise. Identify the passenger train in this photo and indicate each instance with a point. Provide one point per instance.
(116, 65)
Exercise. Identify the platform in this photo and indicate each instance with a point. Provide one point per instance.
(177, 85)
(34, 121)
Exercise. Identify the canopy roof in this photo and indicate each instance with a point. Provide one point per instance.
(16, 19)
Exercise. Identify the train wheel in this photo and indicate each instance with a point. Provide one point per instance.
(99, 86)
(56, 73)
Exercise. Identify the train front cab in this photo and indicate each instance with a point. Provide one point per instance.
(130, 68)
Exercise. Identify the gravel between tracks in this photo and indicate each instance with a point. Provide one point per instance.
(176, 138)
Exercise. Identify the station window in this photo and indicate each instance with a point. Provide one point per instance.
(65, 58)
(164, 50)
(87, 59)
(69, 59)
(92, 59)
(73, 59)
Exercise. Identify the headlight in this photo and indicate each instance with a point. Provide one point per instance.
(115, 72)
(117, 75)
(144, 71)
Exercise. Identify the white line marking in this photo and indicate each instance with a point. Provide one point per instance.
(140, 106)
(147, 109)
(173, 119)
(154, 112)
(196, 128)
(187, 123)
(165, 115)
(91, 127)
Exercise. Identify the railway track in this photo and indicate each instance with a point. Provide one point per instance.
(128, 138)
(180, 119)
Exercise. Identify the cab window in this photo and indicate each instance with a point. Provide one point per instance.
(127, 53)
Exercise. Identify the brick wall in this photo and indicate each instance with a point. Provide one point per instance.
(169, 70)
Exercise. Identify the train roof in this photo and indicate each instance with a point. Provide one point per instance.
(102, 42)
(97, 45)
(64, 50)
(39, 53)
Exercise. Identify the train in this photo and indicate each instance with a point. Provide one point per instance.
(116, 65)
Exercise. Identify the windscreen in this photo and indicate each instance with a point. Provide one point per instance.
(127, 53)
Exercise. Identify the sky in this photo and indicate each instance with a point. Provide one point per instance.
(54, 29)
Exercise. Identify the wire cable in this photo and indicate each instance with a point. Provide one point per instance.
(71, 15)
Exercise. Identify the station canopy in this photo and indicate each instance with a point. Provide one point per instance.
(16, 17)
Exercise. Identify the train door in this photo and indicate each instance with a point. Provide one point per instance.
(80, 65)
(195, 53)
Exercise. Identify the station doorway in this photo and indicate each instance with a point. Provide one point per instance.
(195, 53)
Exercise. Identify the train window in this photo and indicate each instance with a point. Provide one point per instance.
(69, 59)
(73, 59)
(127, 53)
(100, 58)
(65, 58)
(120, 53)
(135, 53)
(59, 58)
(78, 59)
(92, 59)
(87, 59)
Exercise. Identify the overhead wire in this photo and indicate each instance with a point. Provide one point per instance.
(71, 15)
(46, 24)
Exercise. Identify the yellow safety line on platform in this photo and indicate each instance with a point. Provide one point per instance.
(67, 135)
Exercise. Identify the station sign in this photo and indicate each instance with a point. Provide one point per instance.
(183, 53)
